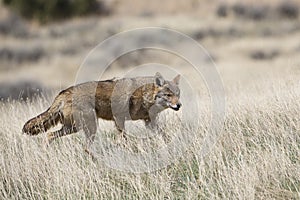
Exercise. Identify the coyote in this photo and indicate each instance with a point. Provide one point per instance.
(78, 107)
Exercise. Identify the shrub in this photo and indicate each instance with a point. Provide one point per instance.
(49, 10)
(13, 25)
(21, 90)
(288, 9)
(247, 11)
(222, 10)
(264, 55)
(21, 55)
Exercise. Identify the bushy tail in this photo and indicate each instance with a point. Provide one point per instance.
(43, 122)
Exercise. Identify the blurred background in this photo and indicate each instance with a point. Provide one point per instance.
(43, 43)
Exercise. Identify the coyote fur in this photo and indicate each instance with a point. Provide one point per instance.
(78, 107)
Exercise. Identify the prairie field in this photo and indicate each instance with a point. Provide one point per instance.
(254, 47)
(255, 157)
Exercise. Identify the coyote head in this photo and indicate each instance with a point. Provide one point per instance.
(168, 92)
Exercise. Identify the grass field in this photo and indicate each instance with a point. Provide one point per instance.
(257, 156)
(255, 46)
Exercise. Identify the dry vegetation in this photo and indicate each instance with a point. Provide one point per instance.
(257, 156)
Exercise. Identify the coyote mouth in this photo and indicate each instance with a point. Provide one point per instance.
(174, 107)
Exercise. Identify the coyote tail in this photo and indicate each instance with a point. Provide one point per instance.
(44, 121)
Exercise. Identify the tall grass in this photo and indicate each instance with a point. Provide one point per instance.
(257, 156)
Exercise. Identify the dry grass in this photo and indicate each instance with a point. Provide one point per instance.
(256, 156)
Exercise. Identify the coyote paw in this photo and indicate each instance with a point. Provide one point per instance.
(121, 138)
(91, 154)
(154, 128)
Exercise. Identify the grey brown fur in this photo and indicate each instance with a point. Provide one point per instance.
(78, 107)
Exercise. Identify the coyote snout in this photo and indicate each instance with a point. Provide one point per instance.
(97, 99)
(175, 107)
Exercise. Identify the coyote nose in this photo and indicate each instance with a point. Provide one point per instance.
(175, 106)
(179, 105)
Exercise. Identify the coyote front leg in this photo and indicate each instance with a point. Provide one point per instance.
(90, 129)
(120, 125)
(151, 122)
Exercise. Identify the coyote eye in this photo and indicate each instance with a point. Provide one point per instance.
(169, 95)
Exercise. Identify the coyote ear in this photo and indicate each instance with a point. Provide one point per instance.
(176, 79)
(159, 80)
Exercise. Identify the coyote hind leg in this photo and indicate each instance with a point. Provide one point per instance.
(65, 130)
(90, 129)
